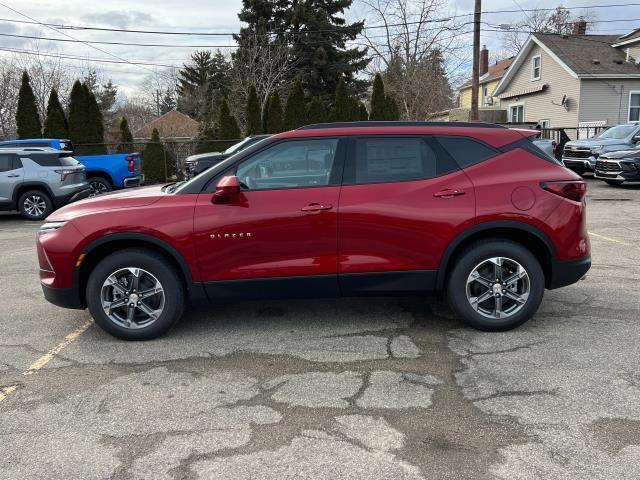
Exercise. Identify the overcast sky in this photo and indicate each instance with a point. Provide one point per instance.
(204, 16)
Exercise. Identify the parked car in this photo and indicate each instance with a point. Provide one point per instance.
(619, 167)
(34, 181)
(581, 155)
(196, 164)
(104, 172)
(547, 145)
(474, 211)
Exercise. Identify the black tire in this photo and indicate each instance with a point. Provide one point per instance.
(35, 205)
(473, 256)
(614, 183)
(161, 269)
(99, 185)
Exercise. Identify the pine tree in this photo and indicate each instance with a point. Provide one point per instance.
(274, 116)
(78, 114)
(228, 125)
(393, 112)
(252, 113)
(294, 110)
(27, 118)
(342, 105)
(125, 144)
(378, 100)
(363, 115)
(95, 126)
(55, 125)
(206, 141)
(265, 114)
(154, 160)
(316, 111)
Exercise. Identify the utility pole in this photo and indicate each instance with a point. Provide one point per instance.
(476, 59)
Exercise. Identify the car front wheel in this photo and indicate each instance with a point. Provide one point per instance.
(135, 294)
(495, 285)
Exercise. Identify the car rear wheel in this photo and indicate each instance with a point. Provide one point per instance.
(135, 294)
(35, 205)
(99, 185)
(614, 183)
(495, 285)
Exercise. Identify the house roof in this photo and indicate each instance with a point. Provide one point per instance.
(496, 71)
(582, 56)
(631, 37)
(172, 124)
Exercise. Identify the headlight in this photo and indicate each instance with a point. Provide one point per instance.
(51, 226)
(595, 148)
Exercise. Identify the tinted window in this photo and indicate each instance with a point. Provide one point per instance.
(292, 164)
(7, 163)
(393, 160)
(47, 160)
(466, 151)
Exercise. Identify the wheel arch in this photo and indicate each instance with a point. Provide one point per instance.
(30, 185)
(100, 173)
(527, 235)
(100, 248)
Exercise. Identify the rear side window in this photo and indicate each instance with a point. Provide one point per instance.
(393, 160)
(49, 160)
(466, 151)
(7, 163)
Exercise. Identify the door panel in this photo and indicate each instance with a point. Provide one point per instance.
(266, 233)
(11, 176)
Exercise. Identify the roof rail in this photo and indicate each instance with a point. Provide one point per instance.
(398, 124)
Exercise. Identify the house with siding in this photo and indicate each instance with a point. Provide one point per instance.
(573, 81)
(490, 76)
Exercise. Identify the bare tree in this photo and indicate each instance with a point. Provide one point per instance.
(414, 53)
(137, 109)
(266, 64)
(9, 87)
(542, 21)
(160, 89)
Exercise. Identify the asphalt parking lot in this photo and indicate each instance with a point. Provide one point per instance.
(390, 388)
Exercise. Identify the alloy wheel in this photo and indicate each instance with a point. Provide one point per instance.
(132, 298)
(34, 205)
(98, 188)
(498, 288)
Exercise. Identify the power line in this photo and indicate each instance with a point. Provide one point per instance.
(71, 37)
(58, 27)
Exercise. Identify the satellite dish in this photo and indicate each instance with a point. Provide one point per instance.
(563, 103)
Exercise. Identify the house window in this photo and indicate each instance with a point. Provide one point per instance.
(516, 113)
(545, 125)
(634, 106)
(535, 67)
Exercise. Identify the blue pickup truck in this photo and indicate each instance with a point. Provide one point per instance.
(104, 172)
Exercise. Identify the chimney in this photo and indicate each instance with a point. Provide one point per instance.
(580, 27)
(484, 60)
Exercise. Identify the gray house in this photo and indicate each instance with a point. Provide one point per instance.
(575, 81)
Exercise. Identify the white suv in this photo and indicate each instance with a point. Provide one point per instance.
(35, 181)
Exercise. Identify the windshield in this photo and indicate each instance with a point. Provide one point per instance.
(617, 133)
(237, 146)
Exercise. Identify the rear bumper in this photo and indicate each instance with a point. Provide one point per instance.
(567, 272)
(63, 297)
(72, 197)
(134, 181)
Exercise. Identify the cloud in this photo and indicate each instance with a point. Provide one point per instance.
(120, 19)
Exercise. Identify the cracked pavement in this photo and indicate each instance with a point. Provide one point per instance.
(384, 388)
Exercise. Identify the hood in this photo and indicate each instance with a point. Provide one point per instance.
(129, 198)
(631, 154)
(590, 142)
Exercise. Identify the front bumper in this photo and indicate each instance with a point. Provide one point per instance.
(134, 181)
(579, 165)
(63, 297)
(567, 272)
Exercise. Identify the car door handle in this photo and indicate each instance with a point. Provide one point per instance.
(13, 176)
(449, 193)
(316, 207)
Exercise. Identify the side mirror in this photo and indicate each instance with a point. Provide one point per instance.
(226, 188)
(636, 138)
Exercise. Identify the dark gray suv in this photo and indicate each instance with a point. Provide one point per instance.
(35, 181)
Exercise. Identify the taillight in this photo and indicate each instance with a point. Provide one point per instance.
(64, 173)
(573, 190)
(131, 160)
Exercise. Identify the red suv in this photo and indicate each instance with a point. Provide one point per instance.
(345, 209)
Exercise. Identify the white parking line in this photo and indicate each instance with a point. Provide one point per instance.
(611, 239)
(47, 357)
